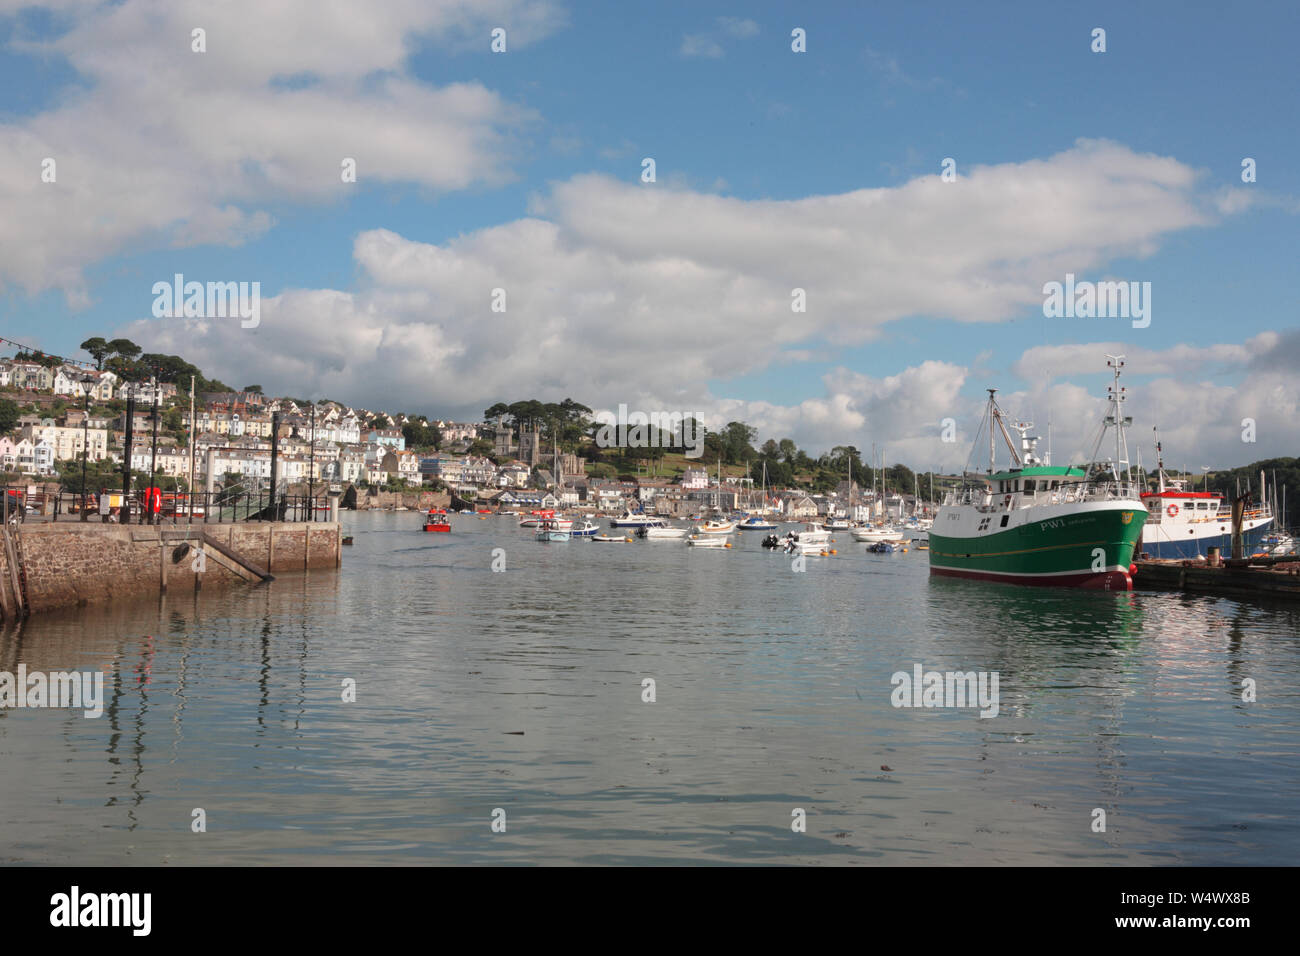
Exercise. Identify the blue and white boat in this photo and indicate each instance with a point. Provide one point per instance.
(1185, 524)
(755, 523)
(589, 529)
(885, 547)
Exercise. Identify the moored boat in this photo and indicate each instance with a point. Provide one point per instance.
(636, 519)
(1037, 524)
(551, 528)
(1185, 524)
(661, 534)
(873, 535)
(588, 529)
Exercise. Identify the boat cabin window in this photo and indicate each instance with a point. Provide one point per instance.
(1203, 505)
(1029, 484)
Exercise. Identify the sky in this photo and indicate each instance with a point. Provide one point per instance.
(776, 170)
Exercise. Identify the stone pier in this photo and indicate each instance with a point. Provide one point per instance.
(46, 566)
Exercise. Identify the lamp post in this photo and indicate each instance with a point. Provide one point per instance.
(311, 467)
(154, 517)
(128, 441)
(85, 436)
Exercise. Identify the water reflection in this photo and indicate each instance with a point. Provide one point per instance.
(773, 692)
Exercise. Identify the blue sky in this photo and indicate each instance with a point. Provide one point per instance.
(715, 95)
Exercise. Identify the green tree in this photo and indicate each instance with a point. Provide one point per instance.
(98, 349)
(9, 415)
(125, 348)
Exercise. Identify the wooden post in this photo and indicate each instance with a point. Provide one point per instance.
(162, 561)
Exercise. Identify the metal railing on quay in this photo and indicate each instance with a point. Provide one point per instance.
(169, 508)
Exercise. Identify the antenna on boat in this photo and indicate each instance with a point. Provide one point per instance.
(1118, 395)
(992, 447)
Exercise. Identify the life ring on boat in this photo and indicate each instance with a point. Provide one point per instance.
(1171, 510)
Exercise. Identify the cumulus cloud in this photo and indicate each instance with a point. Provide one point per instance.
(637, 294)
(159, 144)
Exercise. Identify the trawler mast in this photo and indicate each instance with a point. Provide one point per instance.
(1118, 395)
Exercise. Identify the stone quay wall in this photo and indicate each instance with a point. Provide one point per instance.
(68, 564)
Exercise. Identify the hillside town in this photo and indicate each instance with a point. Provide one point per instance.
(50, 413)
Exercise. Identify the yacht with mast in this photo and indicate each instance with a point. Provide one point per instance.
(1037, 524)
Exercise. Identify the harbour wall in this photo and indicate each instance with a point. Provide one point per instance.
(47, 566)
(415, 500)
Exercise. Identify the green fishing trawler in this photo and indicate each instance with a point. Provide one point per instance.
(1037, 524)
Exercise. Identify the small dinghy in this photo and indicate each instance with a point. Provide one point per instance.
(701, 541)
(885, 547)
(608, 539)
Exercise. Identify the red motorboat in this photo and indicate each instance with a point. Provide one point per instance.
(436, 520)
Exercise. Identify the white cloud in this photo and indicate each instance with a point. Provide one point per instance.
(164, 145)
(700, 44)
(738, 26)
(646, 294)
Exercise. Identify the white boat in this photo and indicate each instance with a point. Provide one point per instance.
(537, 519)
(699, 541)
(804, 544)
(716, 527)
(589, 529)
(552, 534)
(835, 524)
(608, 539)
(631, 519)
(812, 534)
(653, 534)
(1182, 523)
(871, 535)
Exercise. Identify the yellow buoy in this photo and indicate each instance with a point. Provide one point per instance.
(727, 545)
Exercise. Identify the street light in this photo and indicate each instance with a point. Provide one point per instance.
(86, 381)
(155, 517)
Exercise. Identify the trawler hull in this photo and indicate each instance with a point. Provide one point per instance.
(1081, 545)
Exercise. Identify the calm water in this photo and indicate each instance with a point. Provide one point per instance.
(773, 693)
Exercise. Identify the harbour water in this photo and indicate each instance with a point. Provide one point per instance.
(772, 693)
